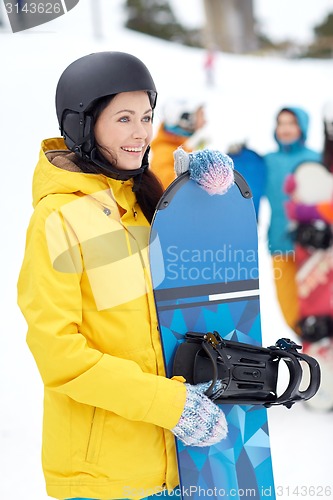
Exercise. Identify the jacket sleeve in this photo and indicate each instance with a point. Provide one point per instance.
(51, 302)
(326, 211)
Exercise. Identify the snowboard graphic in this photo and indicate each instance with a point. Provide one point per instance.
(204, 265)
(313, 185)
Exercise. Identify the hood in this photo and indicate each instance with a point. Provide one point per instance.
(302, 118)
(165, 136)
(56, 173)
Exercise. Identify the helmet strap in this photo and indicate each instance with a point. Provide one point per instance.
(137, 182)
(144, 165)
(114, 173)
(84, 123)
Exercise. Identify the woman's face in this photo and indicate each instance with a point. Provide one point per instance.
(124, 129)
(287, 128)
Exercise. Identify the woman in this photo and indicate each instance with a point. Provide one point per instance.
(183, 125)
(85, 292)
(291, 135)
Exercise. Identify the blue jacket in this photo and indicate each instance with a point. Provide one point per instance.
(278, 165)
(252, 167)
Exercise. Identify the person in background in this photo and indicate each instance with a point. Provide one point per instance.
(209, 66)
(290, 134)
(310, 210)
(302, 212)
(183, 124)
(110, 413)
(252, 167)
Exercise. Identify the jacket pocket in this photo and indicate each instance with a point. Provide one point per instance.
(95, 435)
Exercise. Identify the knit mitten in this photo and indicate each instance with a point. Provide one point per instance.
(212, 170)
(202, 422)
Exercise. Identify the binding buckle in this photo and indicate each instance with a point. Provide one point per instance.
(247, 374)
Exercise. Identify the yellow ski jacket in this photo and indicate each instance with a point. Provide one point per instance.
(85, 291)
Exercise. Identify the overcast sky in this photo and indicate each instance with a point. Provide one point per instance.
(279, 19)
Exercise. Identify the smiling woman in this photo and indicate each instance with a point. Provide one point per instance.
(89, 108)
(110, 413)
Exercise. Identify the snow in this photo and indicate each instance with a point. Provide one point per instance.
(243, 103)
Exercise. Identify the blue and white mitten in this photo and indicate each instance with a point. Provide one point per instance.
(212, 170)
(202, 422)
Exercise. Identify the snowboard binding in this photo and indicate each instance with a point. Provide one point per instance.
(249, 374)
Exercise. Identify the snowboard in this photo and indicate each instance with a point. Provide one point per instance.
(204, 267)
(313, 184)
(252, 167)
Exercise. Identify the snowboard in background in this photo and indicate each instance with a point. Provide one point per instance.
(204, 265)
(314, 260)
(252, 167)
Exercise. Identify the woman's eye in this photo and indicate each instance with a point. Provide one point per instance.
(124, 119)
(147, 119)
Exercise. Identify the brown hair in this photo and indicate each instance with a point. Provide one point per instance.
(148, 190)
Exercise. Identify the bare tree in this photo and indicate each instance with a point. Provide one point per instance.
(96, 18)
(230, 25)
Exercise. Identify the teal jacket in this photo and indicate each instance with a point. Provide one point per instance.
(278, 165)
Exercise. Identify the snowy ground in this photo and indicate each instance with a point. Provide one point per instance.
(242, 104)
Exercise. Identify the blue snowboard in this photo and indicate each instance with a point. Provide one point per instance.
(204, 265)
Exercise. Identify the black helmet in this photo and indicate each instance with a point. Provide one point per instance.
(83, 83)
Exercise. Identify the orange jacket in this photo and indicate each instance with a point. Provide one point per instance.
(162, 148)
